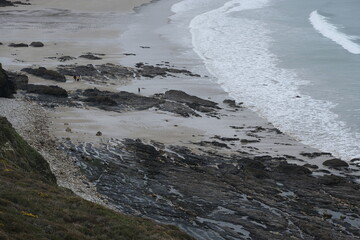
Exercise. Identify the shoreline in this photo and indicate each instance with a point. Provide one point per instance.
(137, 148)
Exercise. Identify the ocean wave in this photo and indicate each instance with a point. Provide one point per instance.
(235, 50)
(328, 30)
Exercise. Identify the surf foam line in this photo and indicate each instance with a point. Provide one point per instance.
(235, 49)
(330, 31)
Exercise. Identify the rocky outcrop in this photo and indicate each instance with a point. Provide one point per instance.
(7, 87)
(47, 90)
(221, 197)
(20, 80)
(154, 71)
(17, 45)
(102, 72)
(45, 73)
(193, 102)
(178, 108)
(336, 163)
(6, 3)
(121, 101)
(90, 56)
(36, 44)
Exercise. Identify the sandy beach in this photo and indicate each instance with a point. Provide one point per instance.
(77, 130)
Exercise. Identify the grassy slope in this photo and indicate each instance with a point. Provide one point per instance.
(32, 206)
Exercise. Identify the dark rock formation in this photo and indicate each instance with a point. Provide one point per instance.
(47, 90)
(90, 56)
(291, 169)
(20, 80)
(6, 3)
(336, 163)
(7, 87)
(36, 44)
(16, 45)
(194, 102)
(232, 103)
(102, 72)
(314, 154)
(65, 58)
(331, 180)
(122, 101)
(154, 71)
(213, 196)
(46, 74)
(178, 108)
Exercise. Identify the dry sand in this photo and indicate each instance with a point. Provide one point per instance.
(67, 28)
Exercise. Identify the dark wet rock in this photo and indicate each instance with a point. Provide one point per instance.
(213, 143)
(154, 71)
(36, 44)
(99, 134)
(121, 101)
(331, 180)
(101, 100)
(16, 45)
(226, 139)
(312, 166)
(247, 141)
(1, 43)
(210, 195)
(5, 3)
(45, 73)
(20, 80)
(314, 154)
(336, 163)
(90, 56)
(232, 103)
(47, 90)
(102, 72)
(291, 169)
(194, 102)
(65, 58)
(355, 160)
(7, 87)
(21, 3)
(178, 108)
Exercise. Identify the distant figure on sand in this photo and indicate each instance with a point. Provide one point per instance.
(76, 78)
(139, 90)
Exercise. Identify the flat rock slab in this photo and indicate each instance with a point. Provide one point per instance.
(45, 73)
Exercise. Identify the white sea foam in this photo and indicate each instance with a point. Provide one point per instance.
(328, 30)
(235, 50)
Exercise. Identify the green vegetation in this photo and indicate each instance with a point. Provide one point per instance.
(32, 206)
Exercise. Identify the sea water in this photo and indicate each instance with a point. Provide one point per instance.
(296, 63)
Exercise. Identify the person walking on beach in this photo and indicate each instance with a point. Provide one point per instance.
(138, 90)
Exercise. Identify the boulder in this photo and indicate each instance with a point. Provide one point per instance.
(331, 180)
(36, 44)
(7, 88)
(16, 45)
(336, 163)
(46, 74)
